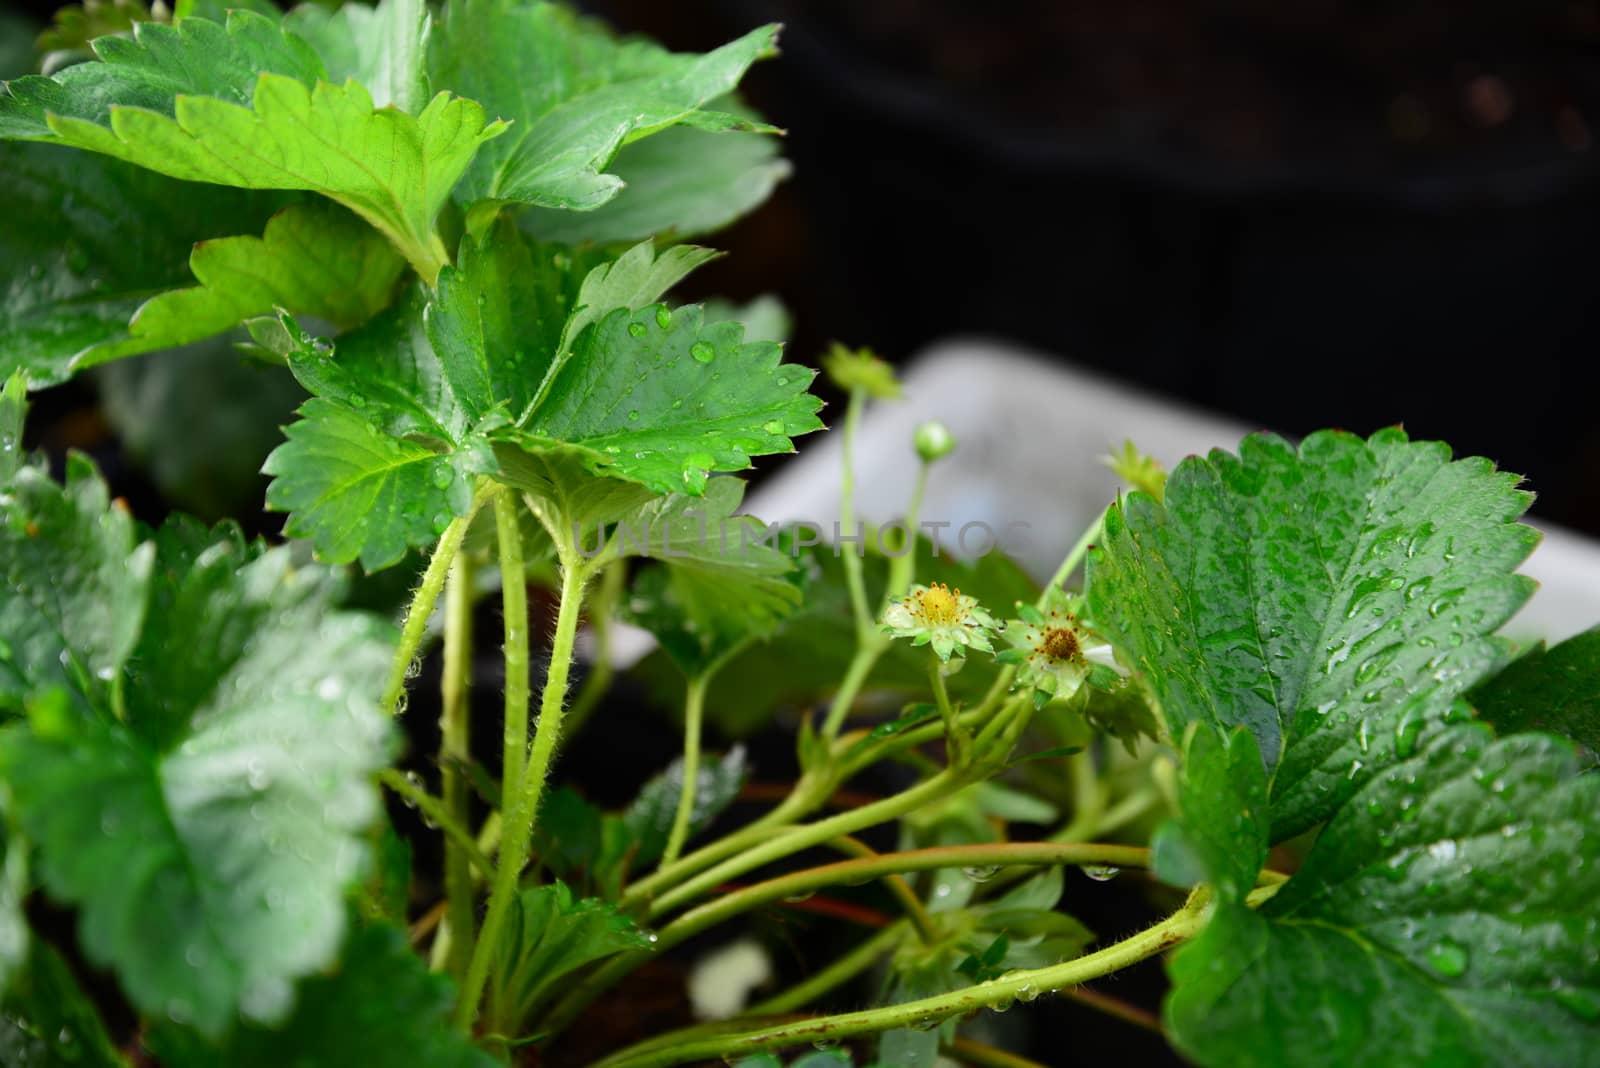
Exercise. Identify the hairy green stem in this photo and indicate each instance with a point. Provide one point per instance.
(514, 610)
(607, 591)
(455, 751)
(523, 811)
(1025, 984)
(427, 595)
(694, 704)
(433, 809)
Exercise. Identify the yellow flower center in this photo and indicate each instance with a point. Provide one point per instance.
(939, 606)
(1059, 643)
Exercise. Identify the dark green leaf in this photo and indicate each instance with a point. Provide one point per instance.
(379, 1009)
(682, 182)
(575, 94)
(359, 493)
(1548, 689)
(650, 816)
(248, 106)
(75, 586)
(199, 421)
(87, 241)
(1445, 916)
(1220, 833)
(1322, 597)
(552, 934)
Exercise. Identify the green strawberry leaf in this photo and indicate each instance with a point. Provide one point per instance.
(1330, 599)
(1555, 689)
(664, 398)
(153, 69)
(75, 583)
(313, 259)
(638, 277)
(208, 840)
(552, 934)
(1445, 916)
(384, 48)
(576, 96)
(1219, 835)
(380, 1008)
(261, 118)
(87, 241)
(682, 182)
(360, 493)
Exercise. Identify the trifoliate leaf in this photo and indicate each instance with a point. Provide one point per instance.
(1445, 916)
(47, 1020)
(87, 241)
(1331, 599)
(551, 934)
(1555, 689)
(575, 94)
(385, 48)
(313, 259)
(380, 1008)
(667, 399)
(208, 841)
(261, 118)
(1219, 835)
(681, 182)
(75, 586)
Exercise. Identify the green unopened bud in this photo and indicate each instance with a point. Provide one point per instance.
(934, 441)
(853, 369)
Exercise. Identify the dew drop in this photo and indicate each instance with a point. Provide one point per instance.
(773, 426)
(703, 351)
(633, 416)
(1101, 873)
(443, 475)
(980, 875)
(663, 318)
(636, 329)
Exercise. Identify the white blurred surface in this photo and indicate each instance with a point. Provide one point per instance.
(1032, 432)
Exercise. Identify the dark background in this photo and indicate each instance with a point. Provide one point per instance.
(1327, 213)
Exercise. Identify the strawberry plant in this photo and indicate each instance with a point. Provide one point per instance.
(1272, 682)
